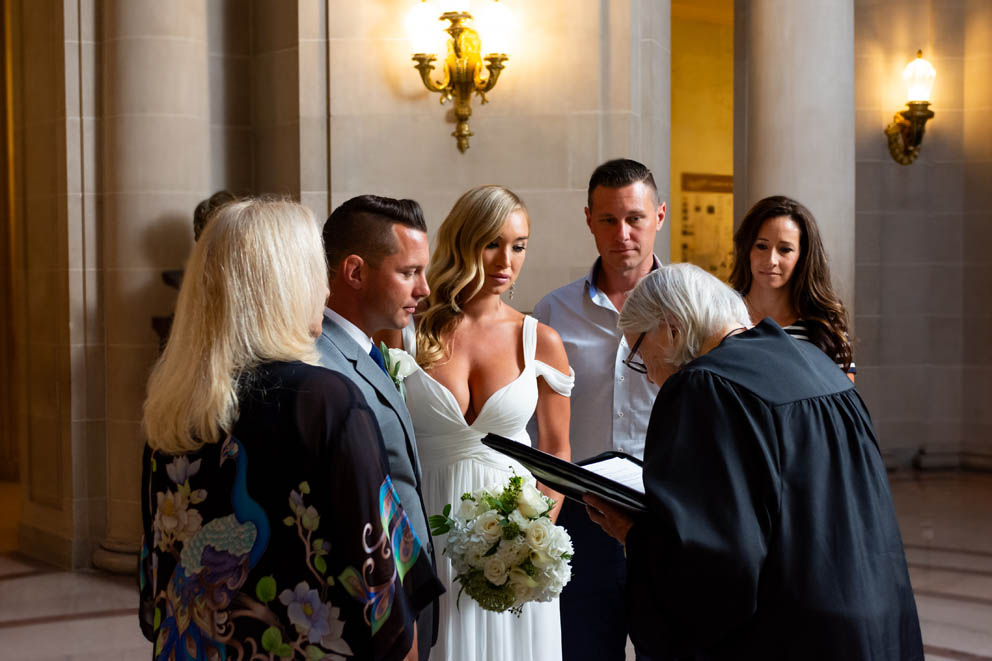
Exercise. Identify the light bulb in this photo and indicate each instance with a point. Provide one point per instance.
(455, 6)
(423, 28)
(495, 26)
(919, 75)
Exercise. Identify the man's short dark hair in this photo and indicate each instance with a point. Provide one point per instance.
(363, 226)
(206, 208)
(618, 173)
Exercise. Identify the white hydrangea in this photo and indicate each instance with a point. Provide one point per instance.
(508, 558)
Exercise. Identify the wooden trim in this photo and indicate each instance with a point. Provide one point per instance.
(9, 445)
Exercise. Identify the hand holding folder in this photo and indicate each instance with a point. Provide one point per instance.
(613, 476)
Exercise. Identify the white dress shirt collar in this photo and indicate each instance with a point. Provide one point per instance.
(353, 331)
(600, 298)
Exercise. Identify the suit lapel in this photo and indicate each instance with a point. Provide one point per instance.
(333, 335)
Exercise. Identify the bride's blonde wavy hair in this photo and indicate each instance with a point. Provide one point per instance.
(455, 273)
(254, 283)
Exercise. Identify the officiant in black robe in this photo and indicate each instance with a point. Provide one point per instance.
(770, 531)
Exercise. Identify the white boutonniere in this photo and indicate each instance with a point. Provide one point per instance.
(399, 365)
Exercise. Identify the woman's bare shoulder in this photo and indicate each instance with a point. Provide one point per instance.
(550, 349)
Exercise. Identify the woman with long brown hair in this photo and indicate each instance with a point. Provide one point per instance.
(781, 270)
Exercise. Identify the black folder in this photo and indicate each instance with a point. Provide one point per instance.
(571, 479)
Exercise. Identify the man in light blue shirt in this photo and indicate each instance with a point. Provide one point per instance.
(611, 404)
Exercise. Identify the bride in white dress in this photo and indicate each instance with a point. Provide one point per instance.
(486, 368)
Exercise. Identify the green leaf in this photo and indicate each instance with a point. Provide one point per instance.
(154, 464)
(447, 510)
(265, 589)
(317, 545)
(330, 580)
(289, 521)
(304, 487)
(320, 564)
(314, 652)
(158, 620)
(310, 519)
(440, 525)
(284, 651)
(271, 639)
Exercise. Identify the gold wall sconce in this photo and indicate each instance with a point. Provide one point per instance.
(905, 133)
(461, 67)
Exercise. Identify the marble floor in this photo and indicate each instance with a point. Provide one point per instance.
(946, 521)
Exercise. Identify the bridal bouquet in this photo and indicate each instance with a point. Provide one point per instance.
(504, 547)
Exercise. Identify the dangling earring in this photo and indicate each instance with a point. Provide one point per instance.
(513, 288)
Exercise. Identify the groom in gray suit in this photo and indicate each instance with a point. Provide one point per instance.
(377, 254)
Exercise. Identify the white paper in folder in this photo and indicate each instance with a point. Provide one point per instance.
(620, 470)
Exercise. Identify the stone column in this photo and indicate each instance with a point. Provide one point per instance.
(797, 99)
(156, 168)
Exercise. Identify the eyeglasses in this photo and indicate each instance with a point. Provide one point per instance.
(630, 361)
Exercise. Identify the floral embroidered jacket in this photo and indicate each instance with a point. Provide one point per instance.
(284, 540)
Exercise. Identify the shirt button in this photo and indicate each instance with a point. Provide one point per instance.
(619, 414)
(620, 378)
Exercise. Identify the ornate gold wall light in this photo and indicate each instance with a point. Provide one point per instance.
(905, 133)
(462, 65)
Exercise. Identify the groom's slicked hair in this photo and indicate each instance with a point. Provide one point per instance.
(363, 226)
(618, 173)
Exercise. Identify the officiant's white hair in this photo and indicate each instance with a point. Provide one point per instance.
(688, 299)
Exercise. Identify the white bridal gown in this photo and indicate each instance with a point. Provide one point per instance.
(453, 462)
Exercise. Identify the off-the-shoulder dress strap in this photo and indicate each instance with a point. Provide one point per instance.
(410, 338)
(561, 383)
(530, 339)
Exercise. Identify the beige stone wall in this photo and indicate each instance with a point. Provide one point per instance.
(587, 81)
(923, 276)
(230, 99)
(275, 88)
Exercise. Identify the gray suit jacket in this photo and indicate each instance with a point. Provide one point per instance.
(341, 353)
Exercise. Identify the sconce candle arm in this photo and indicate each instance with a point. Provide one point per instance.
(425, 66)
(494, 63)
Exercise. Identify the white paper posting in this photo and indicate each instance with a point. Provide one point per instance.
(619, 470)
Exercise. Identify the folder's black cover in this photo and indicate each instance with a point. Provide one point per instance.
(571, 479)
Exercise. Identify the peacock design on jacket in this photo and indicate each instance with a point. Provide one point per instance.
(214, 560)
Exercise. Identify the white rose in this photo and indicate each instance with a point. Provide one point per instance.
(539, 533)
(466, 510)
(407, 363)
(495, 570)
(522, 584)
(519, 519)
(531, 502)
(488, 527)
(540, 559)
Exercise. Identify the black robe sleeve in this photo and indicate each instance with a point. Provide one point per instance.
(712, 481)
